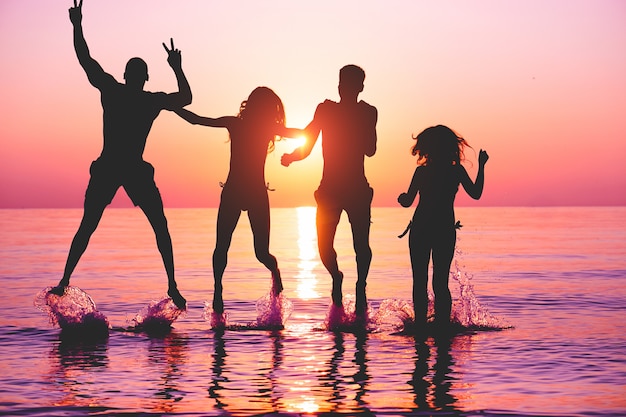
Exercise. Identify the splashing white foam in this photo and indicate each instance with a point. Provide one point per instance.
(466, 309)
(345, 318)
(157, 315)
(273, 311)
(217, 321)
(395, 312)
(74, 310)
(467, 312)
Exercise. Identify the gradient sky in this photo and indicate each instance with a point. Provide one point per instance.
(541, 85)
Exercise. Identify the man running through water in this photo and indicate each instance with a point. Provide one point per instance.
(348, 135)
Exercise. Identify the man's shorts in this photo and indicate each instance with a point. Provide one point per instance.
(356, 203)
(107, 177)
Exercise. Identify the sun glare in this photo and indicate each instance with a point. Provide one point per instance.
(307, 252)
(297, 142)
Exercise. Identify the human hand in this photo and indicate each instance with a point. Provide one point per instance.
(173, 55)
(286, 159)
(405, 200)
(482, 157)
(76, 13)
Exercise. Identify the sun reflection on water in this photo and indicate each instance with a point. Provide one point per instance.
(307, 253)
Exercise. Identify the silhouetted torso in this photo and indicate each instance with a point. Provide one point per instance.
(438, 186)
(248, 152)
(128, 115)
(344, 129)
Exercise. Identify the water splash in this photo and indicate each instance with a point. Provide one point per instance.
(157, 316)
(345, 318)
(395, 312)
(74, 311)
(467, 311)
(217, 321)
(273, 311)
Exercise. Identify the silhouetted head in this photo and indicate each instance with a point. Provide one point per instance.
(263, 108)
(439, 145)
(136, 73)
(351, 79)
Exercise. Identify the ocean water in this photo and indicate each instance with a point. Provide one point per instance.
(543, 288)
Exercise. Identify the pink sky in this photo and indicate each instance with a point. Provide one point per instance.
(540, 85)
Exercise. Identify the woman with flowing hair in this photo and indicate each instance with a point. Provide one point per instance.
(437, 177)
(261, 121)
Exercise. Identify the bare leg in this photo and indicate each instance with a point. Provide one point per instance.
(360, 235)
(420, 257)
(260, 224)
(227, 219)
(443, 254)
(89, 223)
(327, 220)
(157, 220)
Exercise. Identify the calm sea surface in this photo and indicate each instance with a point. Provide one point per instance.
(549, 282)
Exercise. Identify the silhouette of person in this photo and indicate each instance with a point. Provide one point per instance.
(433, 227)
(128, 114)
(261, 120)
(431, 379)
(349, 134)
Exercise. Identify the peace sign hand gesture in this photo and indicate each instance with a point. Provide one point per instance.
(76, 13)
(173, 55)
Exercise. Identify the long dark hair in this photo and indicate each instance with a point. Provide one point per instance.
(439, 145)
(263, 106)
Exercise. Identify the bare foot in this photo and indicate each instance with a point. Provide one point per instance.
(178, 299)
(58, 290)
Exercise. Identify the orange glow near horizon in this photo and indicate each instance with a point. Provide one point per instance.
(539, 89)
(307, 254)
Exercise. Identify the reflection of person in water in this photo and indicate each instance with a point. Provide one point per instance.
(268, 385)
(433, 228)
(167, 357)
(349, 134)
(361, 377)
(219, 362)
(431, 386)
(339, 379)
(260, 121)
(73, 363)
(129, 112)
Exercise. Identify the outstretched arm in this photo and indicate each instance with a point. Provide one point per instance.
(94, 71)
(183, 96)
(311, 133)
(475, 189)
(194, 119)
(288, 132)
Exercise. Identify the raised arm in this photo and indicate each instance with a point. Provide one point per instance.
(183, 96)
(94, 71)
(475, 189)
